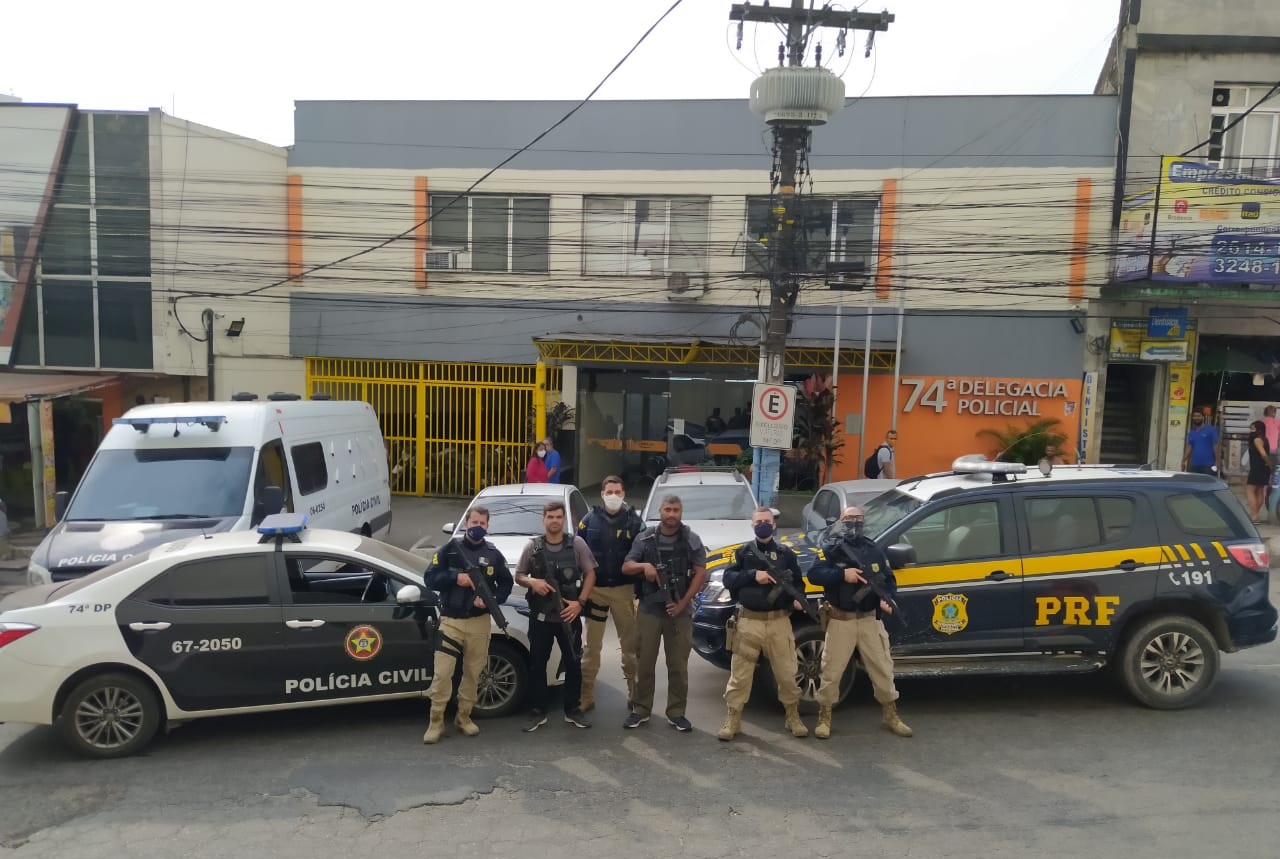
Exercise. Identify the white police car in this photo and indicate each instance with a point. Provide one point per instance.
(230, 623)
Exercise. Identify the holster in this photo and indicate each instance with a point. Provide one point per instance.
(731, 632)
(824, 615)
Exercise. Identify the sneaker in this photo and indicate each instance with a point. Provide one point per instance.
(576, 718)
(536, 720)
(681, 724)
(634, 720)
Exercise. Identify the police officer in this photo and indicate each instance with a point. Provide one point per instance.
(464, 627)
(666, 615)
(610, 529)
(560, 573)
(763, 625)
(856, 623)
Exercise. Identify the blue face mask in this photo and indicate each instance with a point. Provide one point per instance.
(764, 530)
(476, 533)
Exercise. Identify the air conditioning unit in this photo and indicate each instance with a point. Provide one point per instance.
(446, 259)
(683, 285)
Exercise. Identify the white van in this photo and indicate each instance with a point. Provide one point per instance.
(164, 472)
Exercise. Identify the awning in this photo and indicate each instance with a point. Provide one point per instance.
(706, 351)
(21, 387)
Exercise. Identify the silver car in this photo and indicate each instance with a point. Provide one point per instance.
(831, 498)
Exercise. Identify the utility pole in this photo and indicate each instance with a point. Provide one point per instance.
(792, 100)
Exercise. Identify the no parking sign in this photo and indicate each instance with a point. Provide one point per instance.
(773, 415)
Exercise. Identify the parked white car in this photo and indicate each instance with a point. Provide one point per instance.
(515, 514)
(718, 503)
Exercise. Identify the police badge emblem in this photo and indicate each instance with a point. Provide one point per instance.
(950, 613)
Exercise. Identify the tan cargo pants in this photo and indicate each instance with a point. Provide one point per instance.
(766, 634)
(620, 604)
(866, 635)
(675, 634)
(467, 639)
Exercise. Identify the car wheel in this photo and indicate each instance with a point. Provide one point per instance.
(808, 671)
(504, 682)
(1169, 663)
(109, 716)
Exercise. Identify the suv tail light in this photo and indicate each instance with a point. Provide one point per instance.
(11, 632)
(1251, 555)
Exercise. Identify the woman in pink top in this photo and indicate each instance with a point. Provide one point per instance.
(536, 470)
(1272, 424)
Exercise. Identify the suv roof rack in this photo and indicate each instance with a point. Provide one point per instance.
(739, 477)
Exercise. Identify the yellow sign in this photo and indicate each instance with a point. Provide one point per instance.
(1075, 611)
(1126, 343)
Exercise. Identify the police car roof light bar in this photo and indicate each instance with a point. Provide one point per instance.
(976, 463)
(279, 526)
(213, 422)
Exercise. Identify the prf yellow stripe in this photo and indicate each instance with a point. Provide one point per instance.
(1083, 561)
(1221, 550)
(1195, 547)
(1182, 551)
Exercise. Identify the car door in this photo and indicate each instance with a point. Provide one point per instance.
(211, 631)
(578, 510)
(345, 635)
(964, 592)
(1086, 559)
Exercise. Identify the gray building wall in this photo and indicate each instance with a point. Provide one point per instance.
(714, 134)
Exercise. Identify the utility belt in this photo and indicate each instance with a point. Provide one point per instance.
(731, 626)
(779, 614)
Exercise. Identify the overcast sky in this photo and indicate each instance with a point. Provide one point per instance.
(238, 65)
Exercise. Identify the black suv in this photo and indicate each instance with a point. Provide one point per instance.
(1070, 569)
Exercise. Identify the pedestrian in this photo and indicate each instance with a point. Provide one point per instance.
(855, 612)
(536, 470)
(1259, 477)
(465, 622)
(666, 613)
(740, 419)
(1202, 455)
(1272, 423)
(560, 574)
(609, 530)
(715, 423)
(762, 626)
(885, 455)
(552, 460)
(1054, 456)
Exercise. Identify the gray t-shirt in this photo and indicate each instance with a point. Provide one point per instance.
(581, 554)
(883, 458)
(667, 546)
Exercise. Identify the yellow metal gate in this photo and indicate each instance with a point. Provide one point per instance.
(450, 428)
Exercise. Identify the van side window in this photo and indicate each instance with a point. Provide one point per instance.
(309, 465)
(273, 471)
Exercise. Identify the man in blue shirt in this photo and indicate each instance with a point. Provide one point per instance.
(1202, 454)
(552, 462)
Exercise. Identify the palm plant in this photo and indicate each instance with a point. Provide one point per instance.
(1025, 444)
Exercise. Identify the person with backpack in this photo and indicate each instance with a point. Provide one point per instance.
(881, 462)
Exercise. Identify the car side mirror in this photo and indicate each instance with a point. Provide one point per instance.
(447, 529)
(901, 555)
(60, 504)
(409, 594)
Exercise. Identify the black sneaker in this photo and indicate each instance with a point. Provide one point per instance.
(634, 720)
(681, 724)
(536, 720)
(576, 718)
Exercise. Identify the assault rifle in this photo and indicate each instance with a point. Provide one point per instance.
(560, 604)
(667, 583)
(875, 583)
(480, 582)
(785, 584)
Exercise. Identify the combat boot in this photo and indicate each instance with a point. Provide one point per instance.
(824, 723)
(892, 723)
(793, 723)
(732, 724)
(464, 723)
(587, 701)
(435, 730)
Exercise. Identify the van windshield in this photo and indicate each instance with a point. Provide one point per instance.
(174, 483)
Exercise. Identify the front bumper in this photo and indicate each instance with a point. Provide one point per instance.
(708, 632)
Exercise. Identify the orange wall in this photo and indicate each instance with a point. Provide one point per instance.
(112, 398)
(946, 416)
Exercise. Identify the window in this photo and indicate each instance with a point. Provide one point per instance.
(830, 229)
(961, 533)
(577, 509)
(124, 242)
(212, 582)
(489, 233)
(1059, 524)
(65, 248)
(68, 323)
(272, 471)
(121, 156)
(825, 506)
(309, 466)
(1208, 514)
(644, 235)
(1252, 146)
(124, 325)
(315, 580)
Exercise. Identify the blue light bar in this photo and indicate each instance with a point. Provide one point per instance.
(283, 524)
(213, 422)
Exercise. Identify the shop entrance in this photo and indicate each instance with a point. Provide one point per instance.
(1126, 414)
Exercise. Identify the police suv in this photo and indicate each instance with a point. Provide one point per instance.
(280, 618)
(1002, 569)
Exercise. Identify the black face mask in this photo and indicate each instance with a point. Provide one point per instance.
(851, 530)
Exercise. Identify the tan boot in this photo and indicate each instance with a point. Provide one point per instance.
(435, 730)
(732, 724)
(587, 701)
(892, 723)
(464, 723)
(824, 723)
(793, 723)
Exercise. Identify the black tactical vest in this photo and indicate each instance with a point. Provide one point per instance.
(676, 561)
(560, 567)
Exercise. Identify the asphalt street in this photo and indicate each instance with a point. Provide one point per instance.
(1058, 767)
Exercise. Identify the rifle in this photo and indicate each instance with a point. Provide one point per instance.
(667, 583)
(875, 583)
(565, 625)
(480, 582)
(786, 585)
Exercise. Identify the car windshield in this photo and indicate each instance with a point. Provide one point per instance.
(513, 515)
(881, 513)
(174, 483)
(709, 501)
(393, 556)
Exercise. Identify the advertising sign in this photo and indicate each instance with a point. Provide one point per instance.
(1215, 226)
(1137, 230)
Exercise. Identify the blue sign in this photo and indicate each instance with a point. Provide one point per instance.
(1167, 322)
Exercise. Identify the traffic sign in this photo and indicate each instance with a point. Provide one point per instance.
(773, 415)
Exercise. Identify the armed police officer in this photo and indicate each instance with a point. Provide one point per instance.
(860, 590)
(610, 529)
(672, 565)
(763, 623)
(464, 627)
(560, 573)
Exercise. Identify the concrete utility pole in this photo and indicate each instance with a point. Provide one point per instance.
(792, 99)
